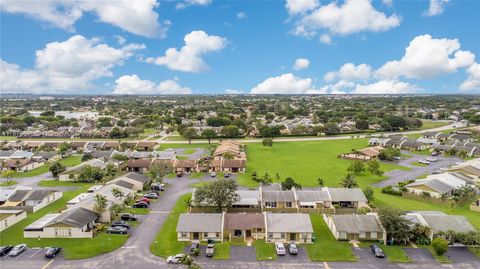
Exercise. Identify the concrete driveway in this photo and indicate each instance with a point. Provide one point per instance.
(301, 257)
(462, 255)
(242, 253)
(397, 176)
(420, 255)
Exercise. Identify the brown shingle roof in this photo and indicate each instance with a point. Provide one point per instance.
(185, 163)
(138, 163)
(234, 163)
(243, 221)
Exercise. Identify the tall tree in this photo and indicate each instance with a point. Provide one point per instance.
(348, 181)
(289, 183)
(356, 167)
(219, 193)
(158, 170)
(56, 168)
(101, 204)
(373, 166)
(209, 134)
(189, 134)
(397, 227)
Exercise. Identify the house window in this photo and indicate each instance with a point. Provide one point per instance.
(282, 235)
(270, 235)
(205, 234)
(288, 204)
(183, 235)
(259, 230)
(217, 235)
(270, 204)
(237, 233)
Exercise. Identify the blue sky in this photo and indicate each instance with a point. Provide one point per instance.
(353, 46)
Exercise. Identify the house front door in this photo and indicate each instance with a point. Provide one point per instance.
(248, 233)
(293, 237)
(353, 237)
(196, 236)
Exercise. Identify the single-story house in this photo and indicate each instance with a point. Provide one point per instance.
(244, 226)
(355, 227)
(10, 217)
(200, 227)
(439, 222)
(347, 197)
(436, 185)
(278, 199)
(139, 181)
(234, 166)
(31, 200)
(72, 223)
(313, 198)
(282, 227)
(146, 145)
(185, 166)
(45, 156)
(140, 166)
(72, 172)
(21, 165)
(248, 199)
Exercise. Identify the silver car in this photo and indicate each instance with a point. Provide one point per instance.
(280, 249)
(17, 250)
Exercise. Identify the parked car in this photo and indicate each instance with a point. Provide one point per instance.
(128, 217)
(292, 249)
(117, 230)
(153, 191)
(424, 162)
(431, 159)
(226, 175)
(193, 248)
(140, 205)
(155, 186)
(52, 252)
(144, 199)
(213, 174)
(162, 187)
(210, 251)
(17, 250)
(377, 251)
(150, 196)
(397, 158)
(120, 223)
(176, 259)
(179, 174)
(280, 249)
(435, 153)
(4, 250)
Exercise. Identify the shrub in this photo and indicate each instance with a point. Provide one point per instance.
(440, 246)
(389, 190)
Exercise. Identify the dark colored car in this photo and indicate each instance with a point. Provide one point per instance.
(17, 250)
(226, 175)
(377, 251)
(4, 250)
(434, 153)
(153, 191)
(292, 249)
(52, 252)
(146, 200)
(140, 205)
(128, 217)
(120, 223)
(193, 248)
(117, 230)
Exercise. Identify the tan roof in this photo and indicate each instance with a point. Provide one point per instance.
(139, 163)
(244, 221)
(234, 163)
(184, 163)
(371, 152)
(111, 144)
(146, 144)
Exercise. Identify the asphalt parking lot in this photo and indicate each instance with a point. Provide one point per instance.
(419, 255)
(366, 255)
(31, 258)
(301, 257)
(242, 253)
(461, 255)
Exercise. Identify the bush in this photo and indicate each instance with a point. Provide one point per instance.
(389, 190)
(440, 246)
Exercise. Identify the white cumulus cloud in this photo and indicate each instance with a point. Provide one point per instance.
(286, 84)
(68, 66)
(301, 63)
(189, 57)
(436, 7)
(241, 15)
(427, 57)
(132, 84)
(187, 3)
(137, 17)
(233, 91)
(386, 87)
(473, 81)
(353, 16)
(300, 6)
(350, 72)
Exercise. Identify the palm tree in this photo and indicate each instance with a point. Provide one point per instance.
(101, 204)
(349, 181)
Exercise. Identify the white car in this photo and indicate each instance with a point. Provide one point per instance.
(424, 162)
(177, 259)
(213, 174)
(280, 249)
(430, 159)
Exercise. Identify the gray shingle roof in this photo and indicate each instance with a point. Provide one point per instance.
(288, 223)
(124, 184)
(312, 196)
(345, 194)
(278, 196)
(137, 177)
(443, 223)
(77, 217)
(433, 184)
(200, 222)
(356, 223)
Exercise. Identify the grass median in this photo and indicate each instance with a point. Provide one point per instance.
(265, 251)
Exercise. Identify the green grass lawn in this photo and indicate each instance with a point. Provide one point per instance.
(418, 164)
(6, 184)
(74, 248)
(69, 161)
(265, 251)
(428, 124)
(196, 175)
(222, 251)
(7, 138)
(189, 151)
(182, 157)
(306, 161)
(475, 250)
(326, 247)
(393, 253)
(166, 243)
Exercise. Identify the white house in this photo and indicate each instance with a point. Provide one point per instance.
(10, 217)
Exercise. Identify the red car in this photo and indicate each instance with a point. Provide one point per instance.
(143, 199)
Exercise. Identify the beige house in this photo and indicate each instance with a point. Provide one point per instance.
(200, 227)
(281, 227)
(244, 227)
(138, 181)
(31, 200)
(10, 217)
(356, 227)
(71, 223)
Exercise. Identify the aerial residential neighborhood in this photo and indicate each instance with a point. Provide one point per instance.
(330, 134)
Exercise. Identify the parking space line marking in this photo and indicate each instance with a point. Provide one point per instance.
(325, 264)
(48, 264)
(35, 252)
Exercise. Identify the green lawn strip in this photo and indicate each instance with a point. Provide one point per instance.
(432, 124)
(74, 248)
(440, 259)
(265, 251)
(418, 164)
(393, 253)
(306, 161)
(198, 184)
(189, 151)
(196, 175)
(326, 247)
(222, 251)
(69, 161)
(166, 243)
(182, 157)
(475, 250)
(137, 211)
(176, 145)
(7, 138)
(6, 184)
(170, 175)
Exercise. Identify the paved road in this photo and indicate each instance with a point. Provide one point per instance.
(30, 181)
(397, 176)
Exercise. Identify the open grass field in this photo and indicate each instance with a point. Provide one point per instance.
(69, 161)
(166, 243)
(6, 184)
(326, 247)
(306, 161)
(74, 248)
(428, 124)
